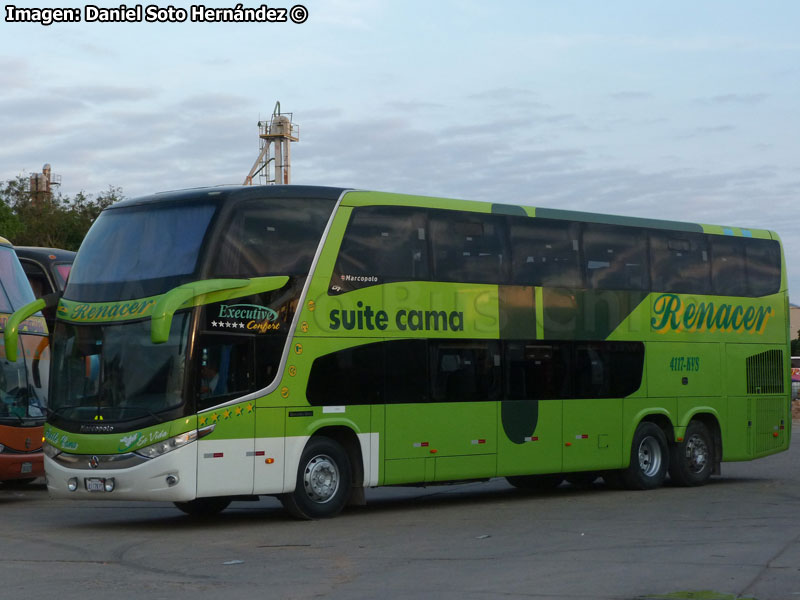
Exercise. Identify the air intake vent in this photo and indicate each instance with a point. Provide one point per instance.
(765, 373)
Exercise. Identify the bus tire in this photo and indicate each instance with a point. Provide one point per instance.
(649, 458)
(323, 481)
(204, 507)
(692, 460)
(536, 483)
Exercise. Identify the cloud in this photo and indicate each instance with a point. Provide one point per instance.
(741, 99)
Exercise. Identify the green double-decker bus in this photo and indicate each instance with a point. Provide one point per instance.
(311, 342)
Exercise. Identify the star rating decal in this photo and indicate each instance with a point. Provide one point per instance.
(228, 324)
(234, 411)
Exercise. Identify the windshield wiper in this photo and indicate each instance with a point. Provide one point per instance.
(145, 410)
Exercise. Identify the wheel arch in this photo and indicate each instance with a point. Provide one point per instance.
(661, 419)
(348, 439)
(711, 421)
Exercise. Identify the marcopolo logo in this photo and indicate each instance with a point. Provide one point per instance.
(673, 314)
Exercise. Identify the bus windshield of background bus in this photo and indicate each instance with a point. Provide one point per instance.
(139, 251)
(115, 372)
(16, 289)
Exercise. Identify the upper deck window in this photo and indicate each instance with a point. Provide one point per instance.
(270, 237)
(140, 251)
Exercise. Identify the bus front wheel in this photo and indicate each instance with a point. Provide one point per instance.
(323, 481)
(649, 458)
(692, 459)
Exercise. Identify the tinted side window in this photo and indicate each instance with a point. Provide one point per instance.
(469, 248)
(537, 370)
(465, 371)
(728, 274)
(545, 252)
(406, 371)
(350, 376)
(381, 244)
(763, 259)
(608, 369)
(680, 262)
(271, 237)
(615, 258)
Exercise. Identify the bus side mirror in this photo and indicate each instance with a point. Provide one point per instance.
(207, 291)
(11, 334)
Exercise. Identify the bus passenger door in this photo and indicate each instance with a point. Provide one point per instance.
(226, 447)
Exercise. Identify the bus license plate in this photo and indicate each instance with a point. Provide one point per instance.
(26, 468)
(95, 484)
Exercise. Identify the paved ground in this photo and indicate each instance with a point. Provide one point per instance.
(738, 537)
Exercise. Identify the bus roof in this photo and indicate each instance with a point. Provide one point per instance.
(366, 198)
(239, 192)
(45, 254)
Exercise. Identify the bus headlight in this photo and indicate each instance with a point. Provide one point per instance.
(162, 447)
(50, 451)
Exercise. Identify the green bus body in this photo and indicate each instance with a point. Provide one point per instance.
(453, 344)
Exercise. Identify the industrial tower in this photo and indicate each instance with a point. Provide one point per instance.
(275, 138)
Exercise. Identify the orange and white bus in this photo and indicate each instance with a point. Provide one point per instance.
(23, 383)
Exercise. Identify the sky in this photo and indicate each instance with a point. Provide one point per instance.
(680, 110)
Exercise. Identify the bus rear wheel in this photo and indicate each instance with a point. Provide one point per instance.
(692, 460)
(204, 507)
(649, 458)
(323, 481)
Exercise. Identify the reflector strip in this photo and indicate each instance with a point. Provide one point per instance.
(421, 444)
(582, 437)
(257, 453)
(213, 455)
(532, 439)
(476, 442)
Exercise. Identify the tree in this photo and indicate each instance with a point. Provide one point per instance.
(56, 221)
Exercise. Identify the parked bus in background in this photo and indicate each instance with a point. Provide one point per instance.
(308, 343)
(23, 380)
(47, 270)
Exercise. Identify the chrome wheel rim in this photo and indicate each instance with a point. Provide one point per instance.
(696, 453)
(649, 456)
(321, 479)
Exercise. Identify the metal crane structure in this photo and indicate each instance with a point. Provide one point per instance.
(275, 137)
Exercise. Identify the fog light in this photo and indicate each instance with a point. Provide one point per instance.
(72, 484)
(109, 484)
(172, 480)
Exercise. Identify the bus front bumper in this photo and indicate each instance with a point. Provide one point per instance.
(171, 477)
(21, 466)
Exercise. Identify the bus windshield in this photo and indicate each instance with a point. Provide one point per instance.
(16, 289)
(115, 373)
(140, 251)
